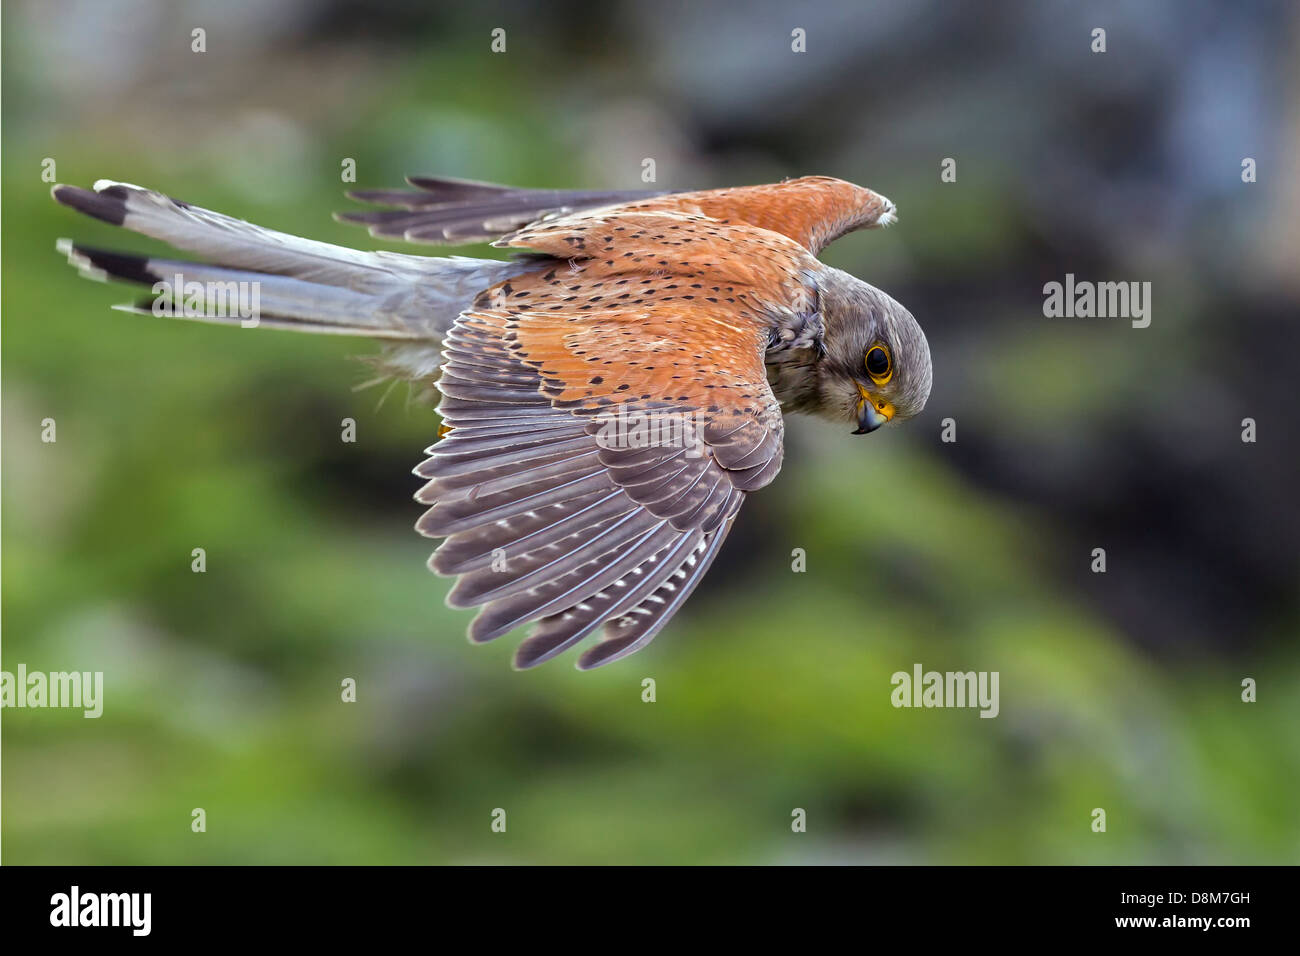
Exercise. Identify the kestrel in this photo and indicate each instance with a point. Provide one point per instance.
(703, 314)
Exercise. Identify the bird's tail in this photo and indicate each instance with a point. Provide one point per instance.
(252, 276)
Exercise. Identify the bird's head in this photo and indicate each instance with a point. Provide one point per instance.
(875, 366)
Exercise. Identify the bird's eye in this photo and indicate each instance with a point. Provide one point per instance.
(879, 365)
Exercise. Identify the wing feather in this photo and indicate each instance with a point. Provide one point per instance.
(812, 210)
(442, 210)
(639, 626)
(557, 633)
(552, 514)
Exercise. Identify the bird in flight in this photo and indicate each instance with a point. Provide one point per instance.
(610, 395)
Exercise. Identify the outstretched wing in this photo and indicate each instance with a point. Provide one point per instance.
(813, 210)
(608, 415)
(594, 465)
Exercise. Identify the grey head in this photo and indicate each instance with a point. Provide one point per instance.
(874, 362)
(862, 358)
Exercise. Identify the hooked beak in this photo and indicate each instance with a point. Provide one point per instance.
(869, 416)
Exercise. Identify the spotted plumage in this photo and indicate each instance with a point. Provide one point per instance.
(609, 396)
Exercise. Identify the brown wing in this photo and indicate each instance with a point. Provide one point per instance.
(559, 502)
(608, 414)
(813, 211)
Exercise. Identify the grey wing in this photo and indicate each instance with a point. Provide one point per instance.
(544, 524)
(455, 211)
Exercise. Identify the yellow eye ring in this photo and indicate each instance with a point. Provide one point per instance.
(879, 363)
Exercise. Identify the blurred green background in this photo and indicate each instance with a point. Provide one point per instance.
(1118, 690)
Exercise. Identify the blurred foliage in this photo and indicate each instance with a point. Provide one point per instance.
(222, 688)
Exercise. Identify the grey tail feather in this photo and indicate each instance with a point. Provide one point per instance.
(294, 283)
(457, 211)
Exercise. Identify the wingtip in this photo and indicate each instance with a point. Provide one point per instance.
(343, 216)
(538, 649)
(597, 656)
(520, 663)
(889, 215)
(455, 184)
